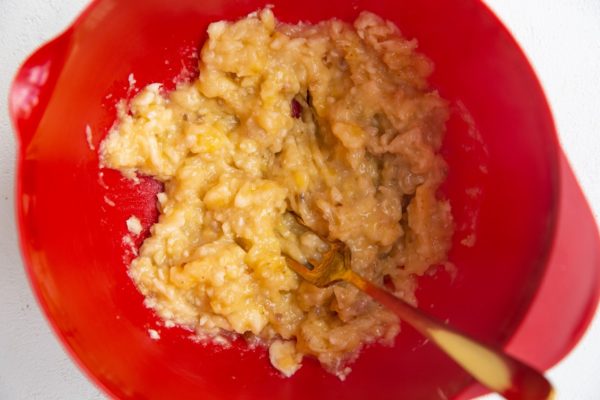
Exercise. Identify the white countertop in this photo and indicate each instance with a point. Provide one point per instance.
(562, 40)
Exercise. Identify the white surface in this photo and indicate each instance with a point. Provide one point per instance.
(561, 38)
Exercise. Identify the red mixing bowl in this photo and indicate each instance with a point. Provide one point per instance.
(530, 282)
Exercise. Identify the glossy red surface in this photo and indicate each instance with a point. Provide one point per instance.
(532, 274)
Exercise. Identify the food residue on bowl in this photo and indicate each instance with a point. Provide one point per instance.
(134, 226)
(89, 138)
(335, 122)
(153, 333)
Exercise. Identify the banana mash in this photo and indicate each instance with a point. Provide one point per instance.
(332, 121)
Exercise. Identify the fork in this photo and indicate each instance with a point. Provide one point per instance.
(490, 366)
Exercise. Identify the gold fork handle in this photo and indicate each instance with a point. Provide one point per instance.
(491, 367)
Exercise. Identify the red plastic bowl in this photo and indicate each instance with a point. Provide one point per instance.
(530, 282)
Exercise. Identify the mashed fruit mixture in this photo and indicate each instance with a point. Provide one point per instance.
(334, 122)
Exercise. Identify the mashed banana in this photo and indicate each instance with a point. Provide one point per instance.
(333, 121)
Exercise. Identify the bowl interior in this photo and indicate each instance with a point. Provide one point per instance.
(500, 145)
